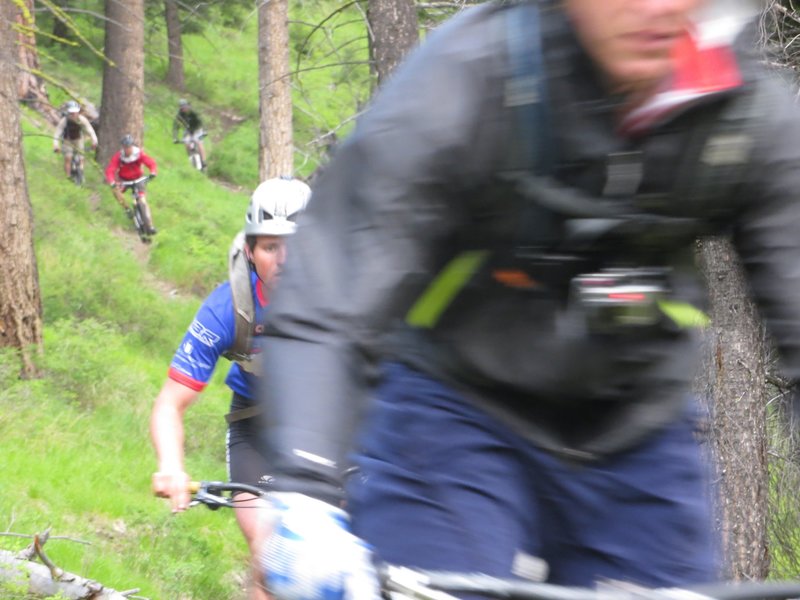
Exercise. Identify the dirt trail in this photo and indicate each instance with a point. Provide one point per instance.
(130, 241)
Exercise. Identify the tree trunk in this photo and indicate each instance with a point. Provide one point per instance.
(736, 372)
(393, 32)
(20, 298)
(31, 88)
(122, 108)
(275, 149)
(175, 77)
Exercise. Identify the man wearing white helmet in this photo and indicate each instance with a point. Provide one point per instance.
(255, 263)
(69, 134)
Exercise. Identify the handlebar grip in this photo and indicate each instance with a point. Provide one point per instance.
(193, 487)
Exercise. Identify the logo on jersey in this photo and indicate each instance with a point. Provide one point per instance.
(203, 334)
(187, 347)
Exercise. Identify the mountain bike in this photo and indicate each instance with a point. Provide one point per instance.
(192, 149)
(137, 211)
(404, 583)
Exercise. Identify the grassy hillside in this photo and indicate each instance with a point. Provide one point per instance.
(75, 442)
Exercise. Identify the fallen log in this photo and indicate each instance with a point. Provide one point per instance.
(36, 579)
(20, 572)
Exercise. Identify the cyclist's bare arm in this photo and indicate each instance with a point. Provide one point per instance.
(167, 434)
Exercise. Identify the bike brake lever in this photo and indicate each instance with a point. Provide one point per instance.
(212, 501)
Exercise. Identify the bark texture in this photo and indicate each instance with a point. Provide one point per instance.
(394, 31)
(20, 297)
(175, 77)
(31, 88)
(735, 388)
(122, 109)
(275, 149)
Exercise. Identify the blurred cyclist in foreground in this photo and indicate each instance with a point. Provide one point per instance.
(509, 235)
(217, 331)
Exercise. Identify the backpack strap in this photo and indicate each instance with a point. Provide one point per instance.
(526, 91)
(243, 306)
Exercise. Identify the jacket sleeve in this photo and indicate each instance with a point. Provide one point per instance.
(112, 167)
(379, 226)
(87, 127)
(767, 235)
(150, 163)
(59, 132)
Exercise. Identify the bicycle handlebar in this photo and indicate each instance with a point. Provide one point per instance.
(211, 493)
(132, 182)
(440, 585)
(416, 584)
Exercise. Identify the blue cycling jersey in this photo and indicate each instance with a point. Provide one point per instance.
(211, 333)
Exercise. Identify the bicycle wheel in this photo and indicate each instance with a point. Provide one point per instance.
(194, 159)
(140, 222)
(76, 172)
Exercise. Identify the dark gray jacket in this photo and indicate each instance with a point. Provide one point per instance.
(421, 181)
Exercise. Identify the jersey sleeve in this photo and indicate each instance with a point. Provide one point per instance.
(149, 162)
(111, 169)
(59, 131)
(209, 335)
(87, 127)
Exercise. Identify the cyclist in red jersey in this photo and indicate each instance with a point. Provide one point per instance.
(126, 165)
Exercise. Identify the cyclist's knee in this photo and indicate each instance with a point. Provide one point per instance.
(252, 523)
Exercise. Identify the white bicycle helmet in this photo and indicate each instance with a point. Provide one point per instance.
(275, 205)
(125, 142)
(72, 107)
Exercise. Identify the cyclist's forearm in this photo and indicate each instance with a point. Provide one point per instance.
(167, 434)
(166, 425)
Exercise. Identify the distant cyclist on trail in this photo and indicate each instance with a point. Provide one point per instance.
(188, 120)
(126, 165)
(69, 134)
(256, 261)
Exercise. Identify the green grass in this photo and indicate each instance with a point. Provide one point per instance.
(77, 455)
(75, 444)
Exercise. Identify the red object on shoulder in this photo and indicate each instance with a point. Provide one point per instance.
(700, 71)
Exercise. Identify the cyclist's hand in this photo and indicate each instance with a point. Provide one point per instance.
(113, 184)
(173, 485)
(56, 150)
(153, 175)
(311, 554)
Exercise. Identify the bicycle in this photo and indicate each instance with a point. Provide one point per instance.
(404, 583)
(137, 211)
(192, 149)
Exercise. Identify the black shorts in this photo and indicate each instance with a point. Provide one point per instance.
(246, 456)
